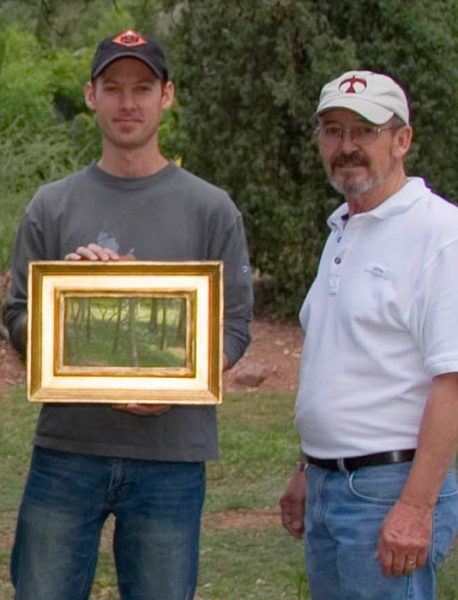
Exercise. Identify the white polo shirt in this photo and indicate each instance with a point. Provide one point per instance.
(380, 321)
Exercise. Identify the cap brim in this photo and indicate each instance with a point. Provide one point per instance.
(112, 59)
(368, 110)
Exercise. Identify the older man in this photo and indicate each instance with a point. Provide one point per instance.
(377, 405)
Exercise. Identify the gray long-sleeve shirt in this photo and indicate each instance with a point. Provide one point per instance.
(171, 215)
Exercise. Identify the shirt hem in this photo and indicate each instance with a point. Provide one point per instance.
(128, 452)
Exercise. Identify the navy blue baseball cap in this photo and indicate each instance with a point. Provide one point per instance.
(130, 44)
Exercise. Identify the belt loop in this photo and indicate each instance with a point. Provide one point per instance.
(341, 465)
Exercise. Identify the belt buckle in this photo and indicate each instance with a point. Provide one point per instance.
(341, 465)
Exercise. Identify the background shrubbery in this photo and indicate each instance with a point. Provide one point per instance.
(248, 75)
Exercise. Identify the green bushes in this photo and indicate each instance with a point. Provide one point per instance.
(27, 159)
(248, 75)
(36, 143)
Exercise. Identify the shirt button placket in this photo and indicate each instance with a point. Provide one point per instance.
(334, 279)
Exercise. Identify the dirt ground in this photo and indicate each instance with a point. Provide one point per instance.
(275, 350)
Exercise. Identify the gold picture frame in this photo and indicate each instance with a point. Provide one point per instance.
(127, 331)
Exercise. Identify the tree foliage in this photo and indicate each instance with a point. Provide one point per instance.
(248, 78)
(249, 75)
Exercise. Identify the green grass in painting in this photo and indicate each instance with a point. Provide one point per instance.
(129, 331)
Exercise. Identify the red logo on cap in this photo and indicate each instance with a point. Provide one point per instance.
(353, 85)
(130, 38)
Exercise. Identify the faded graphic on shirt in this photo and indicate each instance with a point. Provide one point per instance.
(106, 240)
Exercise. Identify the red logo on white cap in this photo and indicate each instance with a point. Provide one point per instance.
(353, 85)
(130, 38)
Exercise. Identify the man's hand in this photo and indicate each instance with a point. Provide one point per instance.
(226, 364)
(404, 539)
(95, 252)
(292, 505)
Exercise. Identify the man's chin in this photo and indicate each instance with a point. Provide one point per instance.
(350, 187)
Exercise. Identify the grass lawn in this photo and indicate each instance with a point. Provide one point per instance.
(241, 559)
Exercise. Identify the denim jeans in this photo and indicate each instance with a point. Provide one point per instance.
(344, 512)
(157, 508)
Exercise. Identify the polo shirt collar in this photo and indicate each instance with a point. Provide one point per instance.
(399, 202)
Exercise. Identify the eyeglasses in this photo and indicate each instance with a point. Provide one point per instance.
(363, 135)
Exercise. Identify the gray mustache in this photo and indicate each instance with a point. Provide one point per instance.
(355, 159)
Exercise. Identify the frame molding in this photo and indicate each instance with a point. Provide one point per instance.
(96, 287)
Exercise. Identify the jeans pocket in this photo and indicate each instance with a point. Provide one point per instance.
(445, 522)
(379, 485)
(450, 485)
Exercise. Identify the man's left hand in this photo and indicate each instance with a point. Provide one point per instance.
(404, 539)
(155, 410)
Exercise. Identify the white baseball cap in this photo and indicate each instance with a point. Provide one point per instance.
(374, 96)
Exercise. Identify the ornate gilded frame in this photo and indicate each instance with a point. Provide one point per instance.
(58, 367)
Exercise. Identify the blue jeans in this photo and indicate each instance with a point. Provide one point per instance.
(344, 512)
(157, 508)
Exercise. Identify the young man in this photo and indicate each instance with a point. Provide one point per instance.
(377, 405)
(144, 464)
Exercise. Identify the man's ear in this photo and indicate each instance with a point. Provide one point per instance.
(89, 95)
(403, 140)
(168, 94)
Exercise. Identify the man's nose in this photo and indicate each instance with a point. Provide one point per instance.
(127, 99)
(346, 142)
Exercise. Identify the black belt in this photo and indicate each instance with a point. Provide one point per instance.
(356, 462)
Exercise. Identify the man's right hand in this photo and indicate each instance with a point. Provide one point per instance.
(292, 505)
(94, 252)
